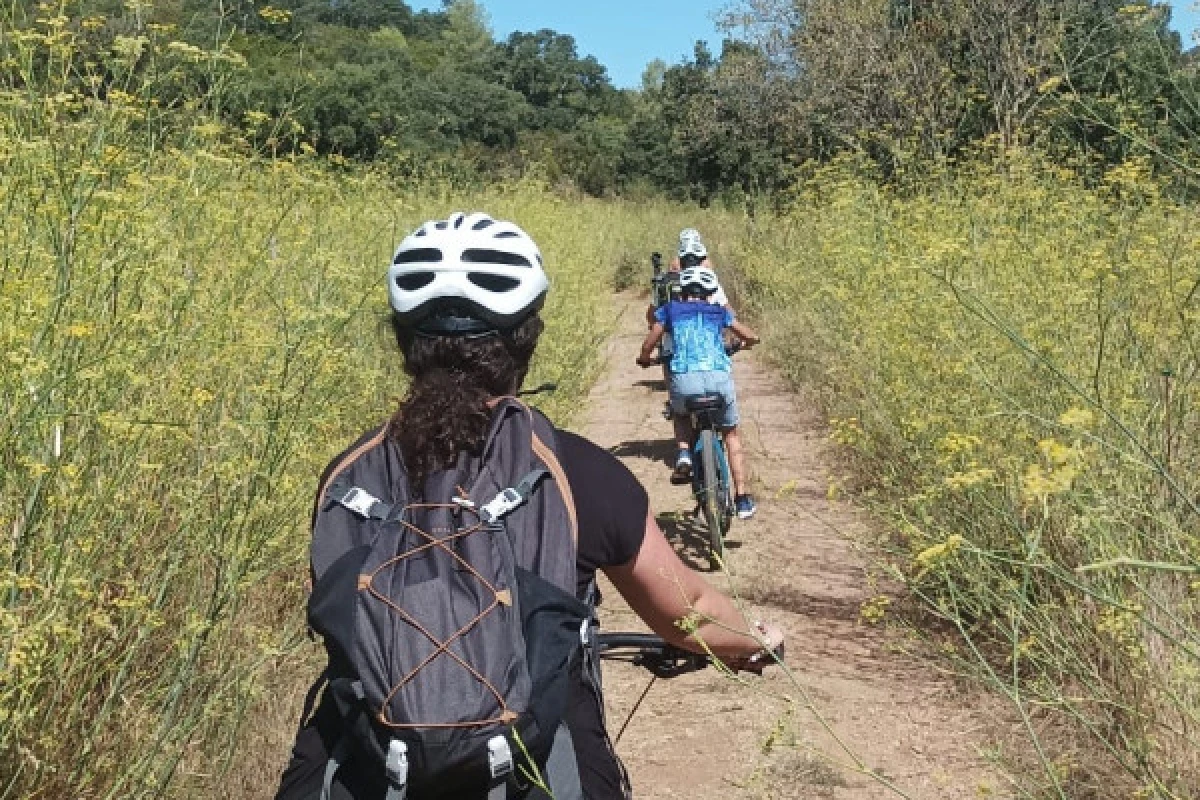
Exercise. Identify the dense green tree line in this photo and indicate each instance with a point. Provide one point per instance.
(902, 81)
(1092, 82)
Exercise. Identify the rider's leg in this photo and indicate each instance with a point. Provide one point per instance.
(683, 431)
(737, 463)
(678, 386)
(723, 382)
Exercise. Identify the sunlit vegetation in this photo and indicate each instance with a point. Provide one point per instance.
(969, 241)
(1009, 361)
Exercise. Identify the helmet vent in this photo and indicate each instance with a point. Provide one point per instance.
(484, 256)
(493, 283)
(423, 255)
(507, 235)
(414, 281)
(483, 223)
(441, 226)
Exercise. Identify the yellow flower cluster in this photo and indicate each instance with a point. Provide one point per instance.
(275, 16)
(1056, 472)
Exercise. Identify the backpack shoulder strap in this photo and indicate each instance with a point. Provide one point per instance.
(544, 447)
(369, 440)
(370, 466)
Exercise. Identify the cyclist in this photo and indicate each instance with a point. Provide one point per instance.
(465, 343)
(691, 253)
(700, 365)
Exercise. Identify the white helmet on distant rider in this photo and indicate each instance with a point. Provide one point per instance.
(700, 281)
(688, 234)
(693, 248)
(467, 274)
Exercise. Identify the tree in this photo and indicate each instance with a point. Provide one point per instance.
(562, 88)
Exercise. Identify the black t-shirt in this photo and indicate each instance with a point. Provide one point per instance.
(611, 508)
(610, 504)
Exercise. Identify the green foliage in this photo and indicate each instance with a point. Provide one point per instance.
(1008, 359)
(913, 84)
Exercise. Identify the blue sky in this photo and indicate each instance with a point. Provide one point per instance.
(1185, 17)
(625, 35)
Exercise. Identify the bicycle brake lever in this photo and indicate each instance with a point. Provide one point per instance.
(545, 387)
(671, 664)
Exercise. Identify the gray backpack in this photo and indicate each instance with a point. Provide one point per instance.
(451, 624)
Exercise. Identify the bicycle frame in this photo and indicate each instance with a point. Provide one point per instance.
(711, 477)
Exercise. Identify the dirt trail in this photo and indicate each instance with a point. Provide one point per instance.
(700, 736)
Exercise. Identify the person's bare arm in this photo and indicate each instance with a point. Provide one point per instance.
(655, 335)
(745, 333)
(662, 590)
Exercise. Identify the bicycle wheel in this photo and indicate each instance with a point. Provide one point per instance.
(725, 486)
(710, 492)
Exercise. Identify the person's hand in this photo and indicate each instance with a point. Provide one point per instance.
(645, 361)
(771, 652)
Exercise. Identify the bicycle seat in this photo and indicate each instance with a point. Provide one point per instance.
(706, 402)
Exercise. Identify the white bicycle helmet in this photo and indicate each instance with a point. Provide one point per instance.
(699, 280)
(466, 274)
(692, 247)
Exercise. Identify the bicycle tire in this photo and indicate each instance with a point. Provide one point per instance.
(710, 488)
(725, 481)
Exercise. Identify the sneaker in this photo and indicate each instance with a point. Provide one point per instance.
(683, 463)
(745, 506)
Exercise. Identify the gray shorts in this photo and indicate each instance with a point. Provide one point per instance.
(696, 384)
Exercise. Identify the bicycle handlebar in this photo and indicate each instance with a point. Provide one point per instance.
(652, 652)
(665, 660)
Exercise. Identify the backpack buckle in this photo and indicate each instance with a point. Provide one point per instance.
(500, 760)
(507, 501)
(360, 501)
(500, 506)
(396, 765)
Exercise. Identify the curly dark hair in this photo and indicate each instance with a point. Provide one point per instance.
(445, 411)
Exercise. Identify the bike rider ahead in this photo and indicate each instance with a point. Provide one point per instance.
(691, 253)
(699, 365)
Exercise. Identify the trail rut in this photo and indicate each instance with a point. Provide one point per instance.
(703, 736)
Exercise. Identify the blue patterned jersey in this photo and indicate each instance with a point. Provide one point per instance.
(696, 328)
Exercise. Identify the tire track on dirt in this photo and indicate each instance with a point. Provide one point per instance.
(702, 736)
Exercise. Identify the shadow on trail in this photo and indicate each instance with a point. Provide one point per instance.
(658, 450)
(655, 384)
(689, 537)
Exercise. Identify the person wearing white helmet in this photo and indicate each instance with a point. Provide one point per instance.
(699, 365)
(465, 297)
(693, 253)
